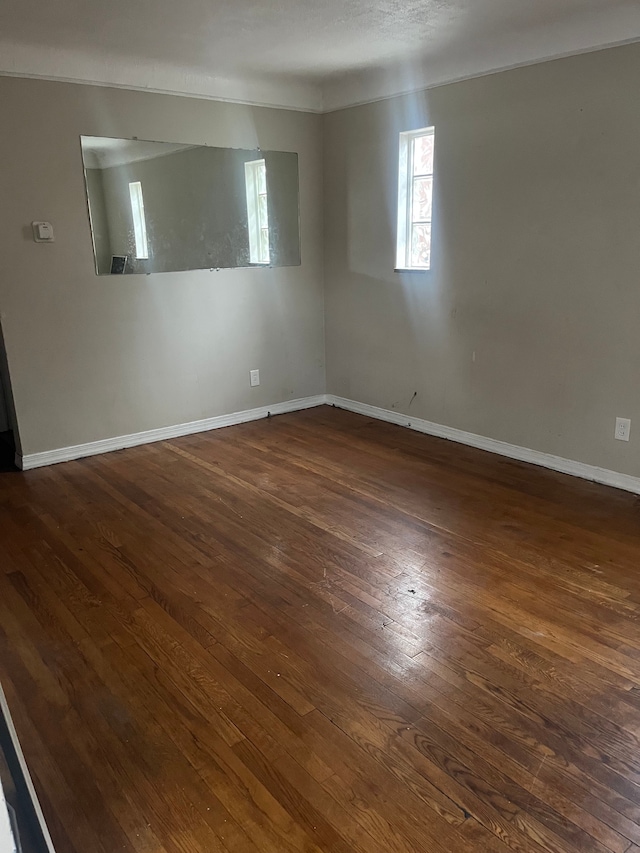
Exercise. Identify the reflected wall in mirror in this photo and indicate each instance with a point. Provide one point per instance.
(164, 207)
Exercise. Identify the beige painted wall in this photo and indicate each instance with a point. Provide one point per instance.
(536, 266)
(536, 258)
(95, 357)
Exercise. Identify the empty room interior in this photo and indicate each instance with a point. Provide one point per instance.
(320, 426)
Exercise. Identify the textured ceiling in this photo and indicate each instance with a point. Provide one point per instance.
(300, 53)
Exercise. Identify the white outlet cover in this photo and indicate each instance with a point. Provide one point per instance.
(623, 429)
(254, 377)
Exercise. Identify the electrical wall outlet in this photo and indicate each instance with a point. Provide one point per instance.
(254, 376)
(623, 428)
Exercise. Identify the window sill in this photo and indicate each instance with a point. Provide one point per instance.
(412, 269)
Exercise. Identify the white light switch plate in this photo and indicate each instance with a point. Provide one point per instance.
(255, 377)
(43, 232)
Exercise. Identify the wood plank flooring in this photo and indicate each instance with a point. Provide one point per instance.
(323, 633)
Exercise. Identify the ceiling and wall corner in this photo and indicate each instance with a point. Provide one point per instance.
(312, 55)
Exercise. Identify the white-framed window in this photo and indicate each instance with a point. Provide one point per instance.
(255, 179)
(415, 197)
(139, 223)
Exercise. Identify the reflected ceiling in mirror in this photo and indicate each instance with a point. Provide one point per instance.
(164, 207)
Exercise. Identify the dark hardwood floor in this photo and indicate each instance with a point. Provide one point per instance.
(320, 632)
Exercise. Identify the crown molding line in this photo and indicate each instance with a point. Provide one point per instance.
(285, 96)
(424, 83)
(267, 104)
(62, 66)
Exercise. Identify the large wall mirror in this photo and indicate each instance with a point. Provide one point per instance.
(162, 207)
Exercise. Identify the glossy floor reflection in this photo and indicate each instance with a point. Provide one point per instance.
(323, 633)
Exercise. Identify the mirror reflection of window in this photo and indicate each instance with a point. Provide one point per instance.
(139, 223)
(255, 177)
(192, 206)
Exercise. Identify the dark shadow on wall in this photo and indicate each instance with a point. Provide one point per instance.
(9, 440)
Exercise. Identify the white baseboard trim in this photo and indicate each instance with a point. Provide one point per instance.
(93, 448)
(502, 448)
(513, 451)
